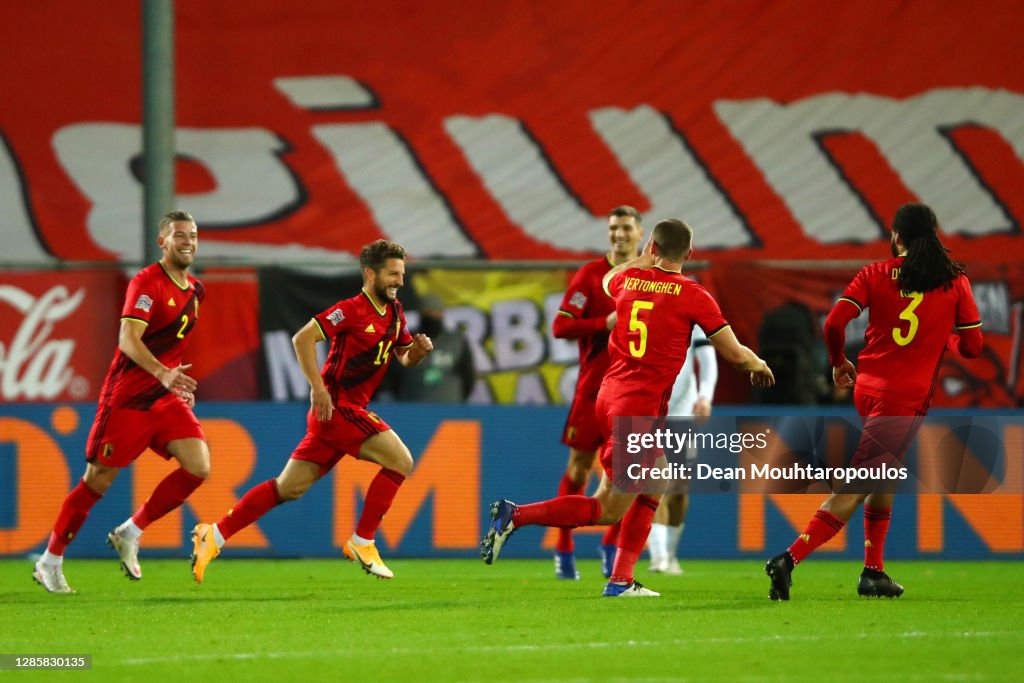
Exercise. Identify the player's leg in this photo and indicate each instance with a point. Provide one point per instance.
(677, 505)
(828, 521)
(310, 460)
(387, 450)
(194, 457)
(874, 582)
(173, 432)
(636, 512)
(562, 512)
(573, 483)
(49, 569)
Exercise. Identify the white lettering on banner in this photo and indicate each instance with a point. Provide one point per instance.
(255, 187)
(286, 379)
(912, 134)
(252, 184)
(530, 390)
(666, 170)
(473, 323)
(517, 341)
(567, 383)
(383, 170)
(20, 240)
(32, 365)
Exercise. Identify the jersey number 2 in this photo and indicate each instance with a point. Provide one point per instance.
(184, 324)
(908, 314)
(635, 325)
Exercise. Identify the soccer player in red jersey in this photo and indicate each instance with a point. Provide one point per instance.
(915, 301)
(146, 402)
(588, 314)
(365, 331)
(656, 309)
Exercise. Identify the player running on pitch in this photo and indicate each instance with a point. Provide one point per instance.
(364, 331)
(587, 314)
(656, 309)
(915, 300)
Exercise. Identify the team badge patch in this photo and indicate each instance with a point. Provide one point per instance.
(144, 303)
(336, 316)
(579, 300)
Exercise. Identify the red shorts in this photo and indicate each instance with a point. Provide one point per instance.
(119, 435)
(326, 443)
(582, 430)
(607, 412)
(889, 429)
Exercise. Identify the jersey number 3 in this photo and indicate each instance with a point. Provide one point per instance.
(635, 325)
(908, 314)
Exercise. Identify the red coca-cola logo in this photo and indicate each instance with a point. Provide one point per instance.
(58, 330)
(35, 365)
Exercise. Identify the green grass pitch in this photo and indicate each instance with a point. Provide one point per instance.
(459, 620)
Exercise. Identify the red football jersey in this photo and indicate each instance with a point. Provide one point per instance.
(169, 312)
(656, 311)
(363, 337)
(907, 332)
(586, 300)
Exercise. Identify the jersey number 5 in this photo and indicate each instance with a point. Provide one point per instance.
(908, 314)
(635, 325)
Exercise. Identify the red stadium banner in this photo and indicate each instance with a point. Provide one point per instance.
(507, 130)
(789, 311)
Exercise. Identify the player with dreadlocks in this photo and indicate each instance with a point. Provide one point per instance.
(916, 300)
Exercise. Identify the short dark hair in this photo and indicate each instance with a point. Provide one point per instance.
(673, 238)
(625, 210)
(376, 254)
(174, 217)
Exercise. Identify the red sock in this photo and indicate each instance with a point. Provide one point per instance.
(168, 495)
(567, 487)
(71, 517)
(876, 528)
(378, 501)
(611, 534)
(565, 511)
(254, 504)
(823, 526)
(636, 526)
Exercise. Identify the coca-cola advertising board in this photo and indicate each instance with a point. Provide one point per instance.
(57, 333)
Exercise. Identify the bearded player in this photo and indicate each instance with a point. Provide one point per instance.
(587, 314)
(656, 309)
(919, 305)
(365, 332)
(146, 402)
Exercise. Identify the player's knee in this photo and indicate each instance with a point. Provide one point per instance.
(577, 473)
(403, 462)
(289, 490)
(198, 469)
(99, 480)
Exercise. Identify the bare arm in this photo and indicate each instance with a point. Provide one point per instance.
(304, 341)
(742, 358)
(421, 346)
(129, 340)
